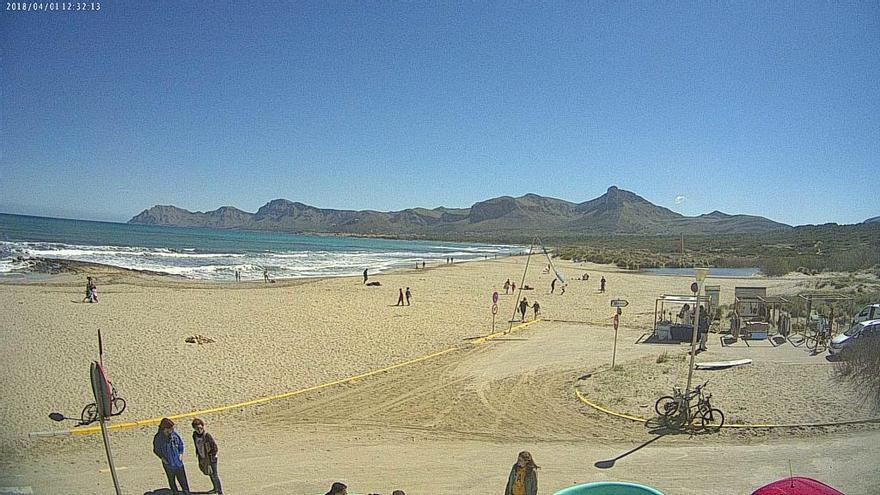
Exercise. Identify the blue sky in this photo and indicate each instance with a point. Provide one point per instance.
(763, 108)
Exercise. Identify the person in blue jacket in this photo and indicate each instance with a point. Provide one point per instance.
(167, 445)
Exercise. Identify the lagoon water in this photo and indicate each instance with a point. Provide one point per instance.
(211, 254)
(713, 272)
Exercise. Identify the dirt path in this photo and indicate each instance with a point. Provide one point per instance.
(453, 425)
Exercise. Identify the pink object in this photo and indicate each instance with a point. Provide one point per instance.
(796, 485)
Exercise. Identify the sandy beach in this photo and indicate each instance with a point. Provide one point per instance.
(279, 337)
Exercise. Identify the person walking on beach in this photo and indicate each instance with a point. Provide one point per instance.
(513, 287)
(91, 290)
(602, 284)
(168, 446)
(266, 275)
(507, 286)
(523, 306)
(399, 297)
(537, 309)
(522, 479)
(365, 275)
(408, 295)
(206, 451)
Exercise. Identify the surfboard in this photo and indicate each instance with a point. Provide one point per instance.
(723, 364)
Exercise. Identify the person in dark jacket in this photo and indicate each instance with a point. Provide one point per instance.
(523, 480)
(703, 328)
(206, 451)
(168, 446)
(523, 307)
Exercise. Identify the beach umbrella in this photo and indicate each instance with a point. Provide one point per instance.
(796, 485)
(609, 488)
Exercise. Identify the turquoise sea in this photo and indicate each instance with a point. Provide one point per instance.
(215, 254)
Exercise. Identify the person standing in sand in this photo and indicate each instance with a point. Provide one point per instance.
(602, 284)
(168, 446)
(399, 297)
(703, 328)
(536, 308)
(507, 286)
(408, 295)
(522, 479)
(206, 451)
(523, 307)
(365, 275)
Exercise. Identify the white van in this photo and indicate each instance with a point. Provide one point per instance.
(869, 312)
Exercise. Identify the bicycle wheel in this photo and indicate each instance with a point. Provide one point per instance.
(666, 406)
(712, 420)
(812, 342)
(118, 405)
(89, 414)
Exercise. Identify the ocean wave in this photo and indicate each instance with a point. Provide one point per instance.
(197, 263)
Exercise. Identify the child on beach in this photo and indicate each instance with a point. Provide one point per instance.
(522, 479)
(537, 308)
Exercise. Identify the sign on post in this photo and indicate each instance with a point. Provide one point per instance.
(619, 303)
(495, 297)
(102, 391)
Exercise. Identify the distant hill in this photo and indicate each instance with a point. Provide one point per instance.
(872, 220)
(615, 212)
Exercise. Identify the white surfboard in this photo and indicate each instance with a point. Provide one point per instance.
(723, 364)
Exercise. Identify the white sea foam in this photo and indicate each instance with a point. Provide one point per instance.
(191, 263)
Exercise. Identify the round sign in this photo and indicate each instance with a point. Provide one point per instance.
(494, 309)
(495, 297)
(694, 287)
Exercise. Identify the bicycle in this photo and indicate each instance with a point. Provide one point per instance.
(90, 412)
(677, 411)
(818, 340)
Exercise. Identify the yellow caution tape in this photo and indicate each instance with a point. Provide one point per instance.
(262, 400)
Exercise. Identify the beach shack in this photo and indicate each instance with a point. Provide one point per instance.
(756, 313)
(666, 325)
(713, 292)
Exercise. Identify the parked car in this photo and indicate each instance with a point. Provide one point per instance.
(848, 338)
(869, 312)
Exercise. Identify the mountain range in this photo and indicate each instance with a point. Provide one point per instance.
(616, 212)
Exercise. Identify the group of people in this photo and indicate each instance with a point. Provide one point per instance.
(686, 317)
(522, 480)
(401, 295)
(339, 488)
(524, 307)
(168, 446)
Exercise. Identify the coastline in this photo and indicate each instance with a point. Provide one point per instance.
(269, 338)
